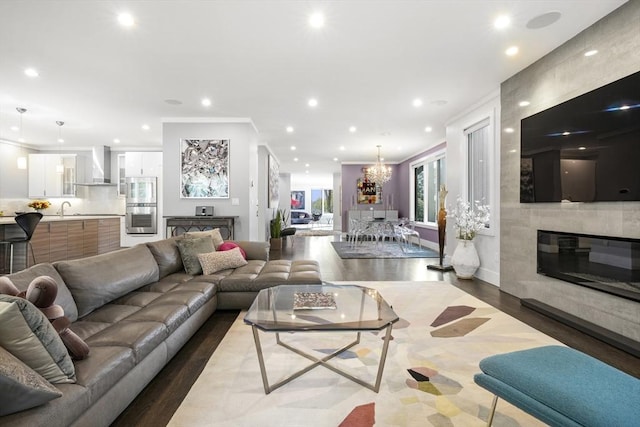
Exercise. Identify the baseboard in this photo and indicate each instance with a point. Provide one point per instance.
(612, 338)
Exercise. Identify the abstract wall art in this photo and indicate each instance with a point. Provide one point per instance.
(274, 182)
(204, 168)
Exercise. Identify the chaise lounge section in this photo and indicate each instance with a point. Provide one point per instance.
(136, 308)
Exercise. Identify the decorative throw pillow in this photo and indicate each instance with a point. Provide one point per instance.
(189, 251)
(27, 334)
(222, 260)
(213, 234)
(227, 246)
(21, 387)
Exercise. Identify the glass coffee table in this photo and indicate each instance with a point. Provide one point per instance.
(320, 308)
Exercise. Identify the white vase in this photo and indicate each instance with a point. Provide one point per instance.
(465, 260)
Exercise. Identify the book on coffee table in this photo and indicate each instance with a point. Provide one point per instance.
(313, 301)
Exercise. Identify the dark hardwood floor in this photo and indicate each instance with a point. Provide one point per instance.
(157, 403)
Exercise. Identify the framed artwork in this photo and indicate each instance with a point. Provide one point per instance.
(368, 192)
(297, 200)
(204, 170)
(274, 182)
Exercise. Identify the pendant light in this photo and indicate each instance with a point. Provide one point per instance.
(60, 165)
(21, 111)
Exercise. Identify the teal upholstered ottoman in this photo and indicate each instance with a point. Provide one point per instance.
(562, 387)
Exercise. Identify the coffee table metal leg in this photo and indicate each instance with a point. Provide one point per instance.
(323, 361)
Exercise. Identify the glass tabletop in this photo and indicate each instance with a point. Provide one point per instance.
(326, 307)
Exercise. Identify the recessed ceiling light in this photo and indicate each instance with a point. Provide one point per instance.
(513, 50)
(417, 102)
(501, 22)
(206, 102)
(524, 103)
(145, 127)
(428, 129)
(316, 20)
(306, 165)
(116, 141)
(509, 130)
(31, 72)
(590, 52)
(293, 148)
(295, 159)
(335, 159)
(126, 20)
(352, 129)
(14, 128)
(313, 102)
(289, 129)
(306, 171)
(342, 148)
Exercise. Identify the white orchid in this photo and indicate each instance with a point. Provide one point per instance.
(467, 219)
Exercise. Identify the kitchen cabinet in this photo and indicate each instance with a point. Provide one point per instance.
(143, 163)
(66, 240)
(52, 175)
(108, 235)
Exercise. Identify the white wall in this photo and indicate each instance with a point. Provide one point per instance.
(487, 242)
(242, 137)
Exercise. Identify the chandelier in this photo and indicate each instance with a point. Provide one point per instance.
(379, 173)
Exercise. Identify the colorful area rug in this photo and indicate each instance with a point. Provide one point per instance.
(441, 336)
(347, 250)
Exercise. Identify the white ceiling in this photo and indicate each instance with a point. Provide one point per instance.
(261, 60)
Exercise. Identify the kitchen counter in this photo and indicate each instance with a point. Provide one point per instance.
(4, 220)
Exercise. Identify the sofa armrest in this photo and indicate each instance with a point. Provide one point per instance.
(255, 250)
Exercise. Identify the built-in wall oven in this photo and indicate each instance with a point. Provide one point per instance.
(142, 208)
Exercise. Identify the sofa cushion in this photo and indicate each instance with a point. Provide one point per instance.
(21, 387)
(141, 336)
(23, 278)
(97, 280)
(27, 334)
(167, 255)
(212, 234)
(190, 248)
(257, 275)
(222, 260)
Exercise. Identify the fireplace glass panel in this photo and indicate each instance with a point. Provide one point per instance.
(608, 264)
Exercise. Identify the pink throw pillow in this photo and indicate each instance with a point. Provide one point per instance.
(227, 246)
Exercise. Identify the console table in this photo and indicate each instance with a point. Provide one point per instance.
(177, 225)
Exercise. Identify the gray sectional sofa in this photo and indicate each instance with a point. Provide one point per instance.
(135, 308)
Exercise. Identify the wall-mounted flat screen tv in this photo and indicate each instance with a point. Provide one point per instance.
(586, 149)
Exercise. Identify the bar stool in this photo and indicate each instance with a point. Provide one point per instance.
(28, 222)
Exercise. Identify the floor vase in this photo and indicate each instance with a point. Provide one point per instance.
(465, 259)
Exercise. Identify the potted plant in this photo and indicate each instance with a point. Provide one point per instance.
(275, 228)
(468, 220)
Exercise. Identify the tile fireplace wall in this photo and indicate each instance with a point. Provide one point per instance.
(559, 76)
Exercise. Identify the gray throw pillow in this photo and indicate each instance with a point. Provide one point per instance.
(190, 248)
(27, 334)
(21, 387)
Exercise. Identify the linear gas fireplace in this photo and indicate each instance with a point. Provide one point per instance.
(608, 264)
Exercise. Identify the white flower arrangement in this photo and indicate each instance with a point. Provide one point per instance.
(467, 219)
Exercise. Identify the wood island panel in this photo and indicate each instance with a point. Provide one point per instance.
(58, 240)
(40, 244)
(75, 239)
(90, 238)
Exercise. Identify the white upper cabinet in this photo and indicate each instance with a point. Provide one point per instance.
(143, 163)
(52, 175)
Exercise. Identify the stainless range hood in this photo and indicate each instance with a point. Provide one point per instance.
(100, 167)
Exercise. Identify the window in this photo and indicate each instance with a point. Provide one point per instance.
(428, 175)
(322, 201)
(479, 163)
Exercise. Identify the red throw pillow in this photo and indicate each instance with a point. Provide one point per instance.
(227, 246)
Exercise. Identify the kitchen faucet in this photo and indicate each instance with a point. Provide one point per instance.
(62, 208)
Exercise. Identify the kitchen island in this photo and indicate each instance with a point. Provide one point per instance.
(61, 238)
